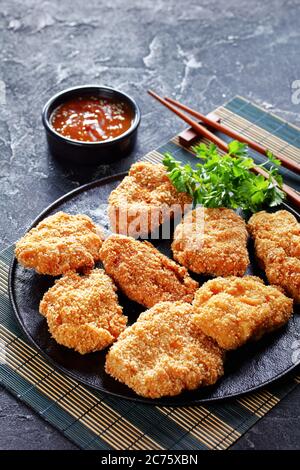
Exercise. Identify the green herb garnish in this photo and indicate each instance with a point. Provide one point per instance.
(227, 180)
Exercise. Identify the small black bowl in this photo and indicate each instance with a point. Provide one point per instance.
(90, 153)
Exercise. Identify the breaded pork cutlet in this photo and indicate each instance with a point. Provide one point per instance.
(83, 311)
(212, 241)
(162, 354)
(142, 201)
(60, 243)
(233, 310)
(143, 273)
(277, 246)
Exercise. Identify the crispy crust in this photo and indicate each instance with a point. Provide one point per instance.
(143, 273)
(60, 243)
(277, 245)
(142, 200)
(212, 241)
(233, 310)
(83, 311)
(162, 354)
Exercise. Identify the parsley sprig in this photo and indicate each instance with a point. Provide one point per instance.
(227, 180)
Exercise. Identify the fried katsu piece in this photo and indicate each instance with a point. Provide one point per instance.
(212, 241)
(142, 201)
(277, 245)
(162, 354)
(60, 243)
(233, 310)
(143, 273)
(83, 311)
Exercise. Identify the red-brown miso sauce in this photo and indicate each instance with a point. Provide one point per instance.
(92, 119)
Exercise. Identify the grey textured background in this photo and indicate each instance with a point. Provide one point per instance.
(201, 52)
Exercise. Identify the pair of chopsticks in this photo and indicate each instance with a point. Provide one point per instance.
(176, 106)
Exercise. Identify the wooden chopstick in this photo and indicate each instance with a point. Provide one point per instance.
(195, 125)
(286, 162)
(290, 192)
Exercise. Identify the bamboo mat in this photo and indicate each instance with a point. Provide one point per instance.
(93, 420)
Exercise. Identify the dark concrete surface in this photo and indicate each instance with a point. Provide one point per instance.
(201, 52)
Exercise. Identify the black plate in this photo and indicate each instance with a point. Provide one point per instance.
(246, 369)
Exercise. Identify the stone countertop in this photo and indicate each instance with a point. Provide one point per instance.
(201, 52)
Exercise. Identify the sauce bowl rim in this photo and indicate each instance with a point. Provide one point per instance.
(54, 133)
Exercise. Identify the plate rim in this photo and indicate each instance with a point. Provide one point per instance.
(164, 401)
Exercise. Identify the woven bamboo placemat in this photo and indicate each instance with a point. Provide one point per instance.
(94, 420)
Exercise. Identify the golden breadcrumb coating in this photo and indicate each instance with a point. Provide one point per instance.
(143, 273)
(60, 243)
(277, 245)
(233, 310)
(83, 311)
(145, 196)
(212, 241)
(162, 354)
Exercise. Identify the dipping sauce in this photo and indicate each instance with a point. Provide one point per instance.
(92, 119)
